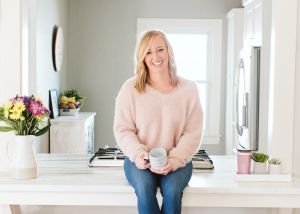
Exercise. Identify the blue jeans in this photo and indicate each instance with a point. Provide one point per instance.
(145, 184)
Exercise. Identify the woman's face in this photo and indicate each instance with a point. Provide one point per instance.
(157, 58)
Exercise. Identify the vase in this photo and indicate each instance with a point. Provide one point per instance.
(260, 168)
(23, 163)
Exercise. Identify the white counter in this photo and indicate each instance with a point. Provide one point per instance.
(67, 180)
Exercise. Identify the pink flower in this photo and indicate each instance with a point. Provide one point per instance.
(36, 108)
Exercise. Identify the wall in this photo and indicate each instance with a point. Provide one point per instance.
(296, 146)
(102, 36)
(10, 56)
(49, 13)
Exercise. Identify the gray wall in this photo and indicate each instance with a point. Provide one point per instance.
(49, 13)
(102, 37)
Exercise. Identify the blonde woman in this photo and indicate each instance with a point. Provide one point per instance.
(157, 108)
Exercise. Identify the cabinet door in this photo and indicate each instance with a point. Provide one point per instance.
(235, 37)
(66, 138)
(258, 23)
(253, 23)
(249, 23)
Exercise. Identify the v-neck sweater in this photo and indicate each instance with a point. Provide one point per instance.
(151, 119)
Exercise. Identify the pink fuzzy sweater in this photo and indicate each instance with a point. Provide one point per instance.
(153, 119)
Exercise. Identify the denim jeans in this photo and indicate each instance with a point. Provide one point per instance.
(145, 184)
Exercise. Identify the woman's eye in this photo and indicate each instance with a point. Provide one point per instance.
(160, 50)
(148, 53)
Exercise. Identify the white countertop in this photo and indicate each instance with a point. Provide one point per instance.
(67, 180)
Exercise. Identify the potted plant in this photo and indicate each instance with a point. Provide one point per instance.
(70, 102)
(260, 162)
(26, 116)
(274, 166)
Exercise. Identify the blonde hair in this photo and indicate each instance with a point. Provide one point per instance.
(142, 72)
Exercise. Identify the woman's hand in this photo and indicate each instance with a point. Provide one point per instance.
(163, 171)
(142, 160)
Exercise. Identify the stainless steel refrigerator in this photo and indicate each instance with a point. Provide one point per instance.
(247, 99)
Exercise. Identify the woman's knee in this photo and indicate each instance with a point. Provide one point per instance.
(141, 180)
(176, 181)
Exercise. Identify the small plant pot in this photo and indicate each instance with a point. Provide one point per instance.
(274, 169)
(260, 168)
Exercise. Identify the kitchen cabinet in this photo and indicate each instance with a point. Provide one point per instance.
(253, 22)
(73, 134)
(235, 37)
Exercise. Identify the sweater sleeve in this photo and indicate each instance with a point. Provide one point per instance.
(125, 130)
(189, 141)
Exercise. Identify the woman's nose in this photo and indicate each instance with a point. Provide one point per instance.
(155, 55)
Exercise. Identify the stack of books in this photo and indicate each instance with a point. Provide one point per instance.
(115, 157)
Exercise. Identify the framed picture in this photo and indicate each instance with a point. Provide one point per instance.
(53, 103)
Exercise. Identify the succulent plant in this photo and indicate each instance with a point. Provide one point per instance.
(259, 157)
(274, 161)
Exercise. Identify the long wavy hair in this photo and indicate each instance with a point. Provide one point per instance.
(142, 71)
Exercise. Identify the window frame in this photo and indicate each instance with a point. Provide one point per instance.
(213, 28)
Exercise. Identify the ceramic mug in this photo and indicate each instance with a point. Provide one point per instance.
(158, 158)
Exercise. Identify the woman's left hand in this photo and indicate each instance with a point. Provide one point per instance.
(163, 171)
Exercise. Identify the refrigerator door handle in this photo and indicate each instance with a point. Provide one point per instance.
(244, 110)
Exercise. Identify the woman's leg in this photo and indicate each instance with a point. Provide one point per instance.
(172, 186)
(145, 185)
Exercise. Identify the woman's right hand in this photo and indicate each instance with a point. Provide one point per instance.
(142, 160)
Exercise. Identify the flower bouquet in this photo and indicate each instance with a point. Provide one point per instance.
(25, 115)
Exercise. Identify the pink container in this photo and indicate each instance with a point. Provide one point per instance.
(243, 161)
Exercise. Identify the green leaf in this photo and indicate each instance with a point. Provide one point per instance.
(6, 129)
(42, 131)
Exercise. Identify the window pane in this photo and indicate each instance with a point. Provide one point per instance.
(190, 52)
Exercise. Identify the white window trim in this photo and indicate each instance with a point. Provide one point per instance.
(213, 27)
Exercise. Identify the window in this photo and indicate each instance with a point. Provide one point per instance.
(197, 45)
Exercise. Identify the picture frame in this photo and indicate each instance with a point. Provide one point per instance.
(53, 103)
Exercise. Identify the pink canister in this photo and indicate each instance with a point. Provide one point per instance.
(243, 161)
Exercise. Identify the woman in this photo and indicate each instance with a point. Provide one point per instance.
(156, 108)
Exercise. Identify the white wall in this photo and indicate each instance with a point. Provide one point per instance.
(10, 55)
(49, 14)
(296, 146)
(102, 37)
